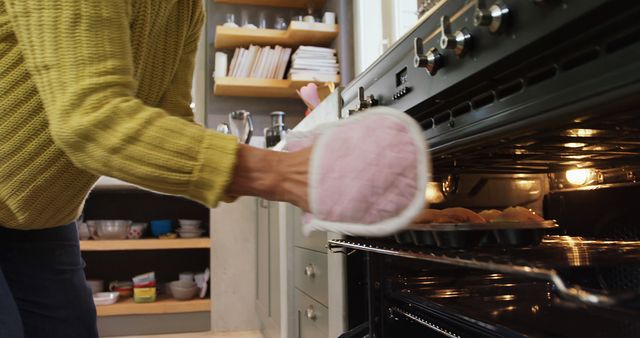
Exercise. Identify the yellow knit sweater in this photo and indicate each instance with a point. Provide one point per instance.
(100, 87)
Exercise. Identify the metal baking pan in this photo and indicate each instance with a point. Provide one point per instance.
(470, 235)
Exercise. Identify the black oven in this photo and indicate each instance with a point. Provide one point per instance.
(531, 103)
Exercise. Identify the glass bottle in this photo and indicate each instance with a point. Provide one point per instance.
(277, 131)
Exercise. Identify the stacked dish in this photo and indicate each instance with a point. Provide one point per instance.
(190, 228)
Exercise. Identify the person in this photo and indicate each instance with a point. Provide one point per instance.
(91, 88)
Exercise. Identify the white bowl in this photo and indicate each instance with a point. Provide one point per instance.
(105, 298)
(189, 227)
(111, 229)
(180, 290)
(190, 233)
(190, 223)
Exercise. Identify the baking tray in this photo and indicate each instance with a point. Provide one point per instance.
(470, 235)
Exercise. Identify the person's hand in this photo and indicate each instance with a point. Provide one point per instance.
(450, 215)
(272, 175)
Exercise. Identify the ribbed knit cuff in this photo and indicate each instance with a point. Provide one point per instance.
(217, 160)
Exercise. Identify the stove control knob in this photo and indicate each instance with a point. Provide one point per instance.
(365, 101)
(460, 41)
(495, 17)
(431, 60)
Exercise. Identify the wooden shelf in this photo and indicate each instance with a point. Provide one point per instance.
(249, 87)
(161, 306)
(298, 33)
(146, 244)
(302, 4)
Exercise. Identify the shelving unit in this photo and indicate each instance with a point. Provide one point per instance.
(161, 306)
(120, 260)
(298, 33)
(300, 4)
(146, 244)
(229, 86)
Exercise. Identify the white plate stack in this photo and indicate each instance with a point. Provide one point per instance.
(190, 228)
(313, 63)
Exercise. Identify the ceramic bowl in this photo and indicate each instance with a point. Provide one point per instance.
(105, 298)
(183, 290)
(83, 231)
(189, 227)
(190, 223)
(136, 231)
(111, 229)
(190, 233)
(160, 227)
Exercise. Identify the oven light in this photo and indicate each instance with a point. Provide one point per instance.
(579, 176)
(434, 194)
(574, 145)
(582, 132)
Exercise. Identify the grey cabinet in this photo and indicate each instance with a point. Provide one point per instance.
(310, 280)
(268, 268)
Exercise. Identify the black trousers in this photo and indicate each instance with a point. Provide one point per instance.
(43, 292)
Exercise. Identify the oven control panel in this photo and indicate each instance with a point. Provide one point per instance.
(461, 48)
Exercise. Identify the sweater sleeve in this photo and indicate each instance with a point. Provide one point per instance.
(79, 56)
(177, 98)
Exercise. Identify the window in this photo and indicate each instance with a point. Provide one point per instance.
(378, 24)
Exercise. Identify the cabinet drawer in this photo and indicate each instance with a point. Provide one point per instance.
(317, 240)
(310, 273)
(312, 318)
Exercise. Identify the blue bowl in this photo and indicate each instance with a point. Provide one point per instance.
(160, 227)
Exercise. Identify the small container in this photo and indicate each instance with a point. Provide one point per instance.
(144, 294)
(280, 24)
(329, 18)
(105, 298)
(297, 18)
(262, 20)
(231, 20)
(160, 227)
(124, 288)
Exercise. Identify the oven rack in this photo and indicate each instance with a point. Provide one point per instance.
(545, 261)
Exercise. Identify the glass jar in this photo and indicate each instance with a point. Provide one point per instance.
(280, 24)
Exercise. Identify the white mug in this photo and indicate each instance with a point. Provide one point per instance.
(329, 18)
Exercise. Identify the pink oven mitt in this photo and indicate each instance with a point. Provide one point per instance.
(367, 174)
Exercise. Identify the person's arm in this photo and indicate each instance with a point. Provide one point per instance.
(177, 97)
(78, 54)
(272, 175)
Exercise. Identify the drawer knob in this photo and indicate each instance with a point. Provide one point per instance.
(311, 313)
(310, 271)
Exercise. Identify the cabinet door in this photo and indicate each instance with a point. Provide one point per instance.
(312, 318)
(274, 262)
(317, 240)
(262, 292)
